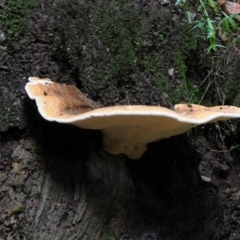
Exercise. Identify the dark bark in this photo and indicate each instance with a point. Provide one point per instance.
(59, 184)
(56, 182)
(61, 190)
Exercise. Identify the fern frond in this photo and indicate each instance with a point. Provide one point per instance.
(225, 25)
(232, 23)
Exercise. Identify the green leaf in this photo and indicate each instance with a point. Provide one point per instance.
(189, 16)
(232, 23)
(212, 4)
(225, 25)
(233, 147)
(180, 1)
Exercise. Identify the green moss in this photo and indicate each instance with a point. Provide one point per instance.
(237, 101)
(18, 210)
(107, 235)
(118, 32)
(178, 94)
(180, 64)
(12, 15)
(231, 88)
(125, 48)
(185, 91)
(135, 43)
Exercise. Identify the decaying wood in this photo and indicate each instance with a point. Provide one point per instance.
(63, 186)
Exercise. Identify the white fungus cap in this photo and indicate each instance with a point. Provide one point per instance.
(125, 129)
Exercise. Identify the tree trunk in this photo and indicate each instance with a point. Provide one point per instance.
(57, 183)
(56, 180)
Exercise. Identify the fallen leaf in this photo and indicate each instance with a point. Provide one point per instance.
(230, 7)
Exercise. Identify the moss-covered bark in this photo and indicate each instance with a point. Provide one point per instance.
(56, 182)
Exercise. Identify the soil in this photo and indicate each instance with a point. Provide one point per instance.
(57, 182)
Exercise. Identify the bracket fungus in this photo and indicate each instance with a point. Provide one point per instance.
(125, 129)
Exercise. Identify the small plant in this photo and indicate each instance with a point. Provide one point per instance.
(210, 21)
(228, 23)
